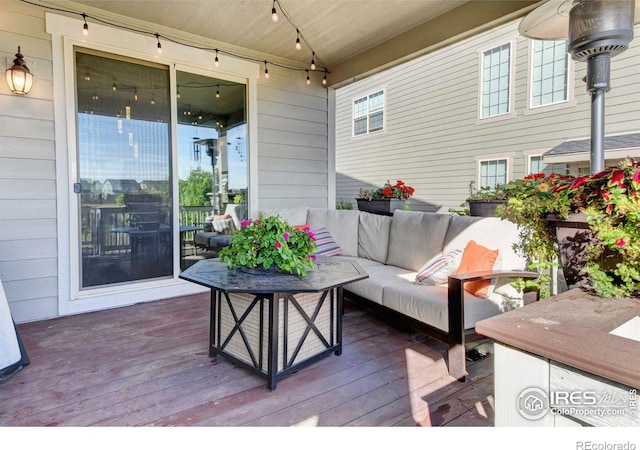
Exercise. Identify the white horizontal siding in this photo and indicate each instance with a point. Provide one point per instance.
(292, 134)
(432, 136)
(28, 230)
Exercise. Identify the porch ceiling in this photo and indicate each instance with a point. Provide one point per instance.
(350, 37)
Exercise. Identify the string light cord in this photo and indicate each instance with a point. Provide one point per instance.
(302, 38)
(159, 37)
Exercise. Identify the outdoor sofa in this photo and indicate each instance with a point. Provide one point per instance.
(411, 258)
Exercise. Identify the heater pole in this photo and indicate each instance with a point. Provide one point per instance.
(598, 83)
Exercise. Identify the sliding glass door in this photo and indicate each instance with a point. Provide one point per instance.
(124, 169)
(124, 157)
(212, 151)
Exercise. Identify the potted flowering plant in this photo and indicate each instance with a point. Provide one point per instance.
(271, 243)
(386, 199)
(604, 209)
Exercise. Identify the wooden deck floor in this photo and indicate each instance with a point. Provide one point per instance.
(148, 365)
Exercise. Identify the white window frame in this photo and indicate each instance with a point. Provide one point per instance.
(530, 154)
(570, 102)
(496, 157)
(511, 103)
(384, 113)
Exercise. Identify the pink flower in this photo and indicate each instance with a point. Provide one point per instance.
(285, 236)
(311, 235)
(621, 242)
(312, 257)
(245, 223)
(306, 227)
(278, 245)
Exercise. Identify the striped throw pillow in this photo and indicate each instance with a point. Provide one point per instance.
(326, 245)
(437, 270)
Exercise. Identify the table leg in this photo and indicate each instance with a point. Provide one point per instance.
(212, 321)
(272, 354)
(340, 310)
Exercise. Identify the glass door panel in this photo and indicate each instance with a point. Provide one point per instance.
(124, 168)
(212, 153)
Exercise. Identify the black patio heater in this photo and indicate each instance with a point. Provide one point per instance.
(596, 30)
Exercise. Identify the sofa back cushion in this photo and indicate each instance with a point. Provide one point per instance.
(293, 216)
(490, 232)
(373, 236)
(342, 224)
(416, 237)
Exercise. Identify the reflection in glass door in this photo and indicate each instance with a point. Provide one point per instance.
(124, 169)
(212, 155)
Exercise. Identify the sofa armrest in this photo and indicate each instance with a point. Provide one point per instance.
(457, 365)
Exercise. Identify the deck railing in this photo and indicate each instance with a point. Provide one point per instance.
(98, 223)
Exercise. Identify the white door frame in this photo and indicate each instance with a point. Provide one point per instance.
(66, 33)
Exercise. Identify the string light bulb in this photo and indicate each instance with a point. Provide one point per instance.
(178, 94)
(313, 60)
(308, 79)
(159, 44)
(216, 60)
(218, 92)
(324, 78)
(298, 44)
(274, 13)
(135, 94)
(113, 86)
(266, 70)
(85, 27)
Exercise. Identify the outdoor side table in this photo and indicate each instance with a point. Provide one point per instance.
(272, 323)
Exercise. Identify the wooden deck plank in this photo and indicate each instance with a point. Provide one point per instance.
(148, 364)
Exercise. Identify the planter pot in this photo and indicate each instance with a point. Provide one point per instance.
(574, 239)
(484, 208)
(384, 206)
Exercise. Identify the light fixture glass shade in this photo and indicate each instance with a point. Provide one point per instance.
(19, 78)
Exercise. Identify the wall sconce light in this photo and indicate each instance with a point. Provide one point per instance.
(19, 78)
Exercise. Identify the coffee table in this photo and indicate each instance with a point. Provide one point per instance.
(272, 323)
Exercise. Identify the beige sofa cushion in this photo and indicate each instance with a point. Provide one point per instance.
(490, 232)
(373, 236)
(293, 216)
(429, 304)
(415, 238)
(341, 223)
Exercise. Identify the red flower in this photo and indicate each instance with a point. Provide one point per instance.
(621, 242)
(617, 177)
(578, 182)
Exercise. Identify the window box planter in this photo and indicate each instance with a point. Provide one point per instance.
(384, 206)
(484, 208)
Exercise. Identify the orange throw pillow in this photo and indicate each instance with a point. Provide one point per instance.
(477, 258)
(300, 227)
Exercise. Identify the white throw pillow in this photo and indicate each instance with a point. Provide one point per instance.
(437, 271)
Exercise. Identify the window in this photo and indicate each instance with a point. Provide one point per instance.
(492, 173)
(496, 81)
(368, 114)
(549, 72)
(537, 165)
